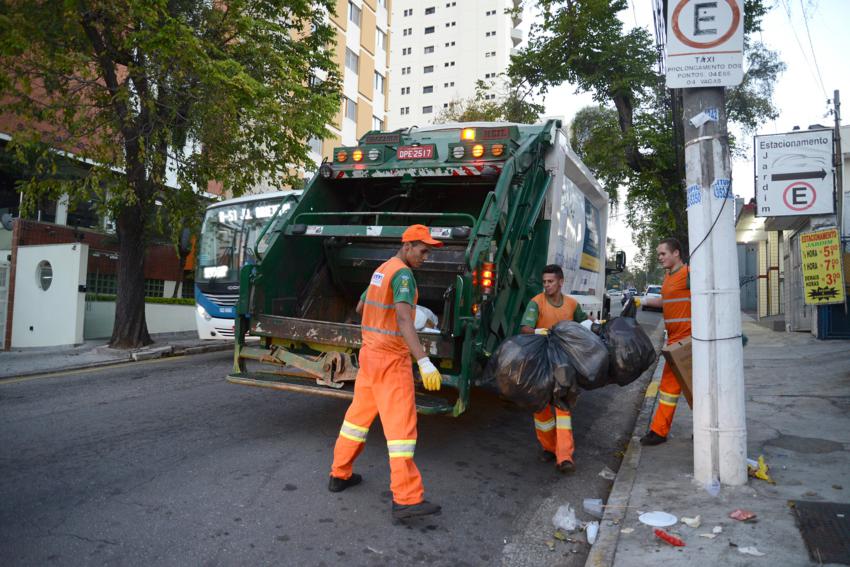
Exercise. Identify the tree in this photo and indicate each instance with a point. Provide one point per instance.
(149, 89)
(632, 137)
(492, 104)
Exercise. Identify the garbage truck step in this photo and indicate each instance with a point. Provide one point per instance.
(425, 404)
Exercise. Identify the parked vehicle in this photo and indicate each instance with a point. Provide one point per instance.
(228, 239)
(651, 291)
(506, 199)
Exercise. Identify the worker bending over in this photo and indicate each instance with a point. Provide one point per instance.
(384, 384)
(544, 311)
(675, 302)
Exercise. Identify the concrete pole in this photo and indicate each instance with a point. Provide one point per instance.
(720, 435)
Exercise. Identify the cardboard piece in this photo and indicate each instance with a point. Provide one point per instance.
(679, 356)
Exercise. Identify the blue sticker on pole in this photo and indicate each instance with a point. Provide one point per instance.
(722, 189)
(694, 195)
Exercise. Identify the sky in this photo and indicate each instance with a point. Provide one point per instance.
(818, 62)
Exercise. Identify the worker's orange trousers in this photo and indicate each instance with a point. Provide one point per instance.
(384, 387)
(555, 432)
(668, 397)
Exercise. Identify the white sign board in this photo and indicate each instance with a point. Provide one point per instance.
(794, 174)
(705, 43)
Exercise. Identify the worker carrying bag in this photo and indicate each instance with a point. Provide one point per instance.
(522, 372)
(586, 351)
(630, 350)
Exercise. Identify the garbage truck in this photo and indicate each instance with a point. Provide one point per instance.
(505, 199)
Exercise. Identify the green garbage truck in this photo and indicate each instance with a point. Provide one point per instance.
(505, 199)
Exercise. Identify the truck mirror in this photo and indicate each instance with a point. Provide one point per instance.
(621, 260)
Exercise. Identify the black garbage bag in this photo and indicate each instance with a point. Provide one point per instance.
(566, 385)
(586, 351)
(629, 347)
(630, 309)
(521, 371)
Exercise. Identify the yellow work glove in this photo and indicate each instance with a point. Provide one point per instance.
(431, 378)
(541, 331)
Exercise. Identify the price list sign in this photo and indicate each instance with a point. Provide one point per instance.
(823, 278)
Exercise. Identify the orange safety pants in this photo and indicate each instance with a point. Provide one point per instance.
(668, 397)
(384, 387)
(555, 432)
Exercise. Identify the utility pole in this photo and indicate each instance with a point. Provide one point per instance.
(720, 433)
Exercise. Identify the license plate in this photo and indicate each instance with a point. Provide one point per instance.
(416, 152)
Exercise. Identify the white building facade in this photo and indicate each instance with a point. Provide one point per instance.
(440, 49)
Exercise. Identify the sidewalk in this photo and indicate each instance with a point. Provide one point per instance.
(798, 397)
(93, 353)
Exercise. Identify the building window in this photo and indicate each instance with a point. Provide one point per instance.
(429, 11)
(405, 90)
(427, 109)
(429, 29)
(405, 110)
(428, 90)
(379, 82)
(315, 145)
(352, 60)
(429, 49)
(428, 69)
(407, 31)
(154, 288)
(408, 12)
(447, 85)
(407, 51)
(490, 34)
(405, 70)
(451, 24)
(490, 75)
(449, 64)
(350, 109)
(490, 54)
(450, 44)
(381, 40)
(101, 284)
(353, 13)
(377, 123)
(451, 4)
(489, 97)
(382, 3)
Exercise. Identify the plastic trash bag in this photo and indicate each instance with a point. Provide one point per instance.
(629, 347)
(425, 318)
(521, 371)
(630, 310)
(565, 389)
(587, 352)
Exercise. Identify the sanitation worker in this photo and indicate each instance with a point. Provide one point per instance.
(384, 385)
(544, 311)
(675, 303)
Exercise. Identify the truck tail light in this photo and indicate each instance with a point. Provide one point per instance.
(488, 277)
(497, 149)
(341, 156)
(357, 155)
(477, 151)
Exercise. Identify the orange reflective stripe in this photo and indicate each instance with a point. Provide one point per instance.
(676, 304)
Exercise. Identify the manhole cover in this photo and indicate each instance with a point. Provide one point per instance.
(826, 530)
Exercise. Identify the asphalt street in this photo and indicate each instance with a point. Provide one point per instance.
(165, 463)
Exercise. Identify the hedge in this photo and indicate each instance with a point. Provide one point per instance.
(166, 300)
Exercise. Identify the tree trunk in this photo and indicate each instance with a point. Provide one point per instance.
(131, 329)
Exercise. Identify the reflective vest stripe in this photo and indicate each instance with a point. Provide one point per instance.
(564, 421)
(675, 300)
(547, 425)
(401, 448)
(353, 432)
(668, 399)
(681, 320)
(378, 304)
(381, 331)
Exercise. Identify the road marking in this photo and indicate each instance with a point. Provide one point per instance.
(20, 379)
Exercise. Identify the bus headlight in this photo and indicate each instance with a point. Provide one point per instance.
(203, 313)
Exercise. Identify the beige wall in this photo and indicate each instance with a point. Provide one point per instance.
(366, 79)
(364, 117)
(341, 17)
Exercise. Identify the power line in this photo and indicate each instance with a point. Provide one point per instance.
(812, 47)
(799, 44)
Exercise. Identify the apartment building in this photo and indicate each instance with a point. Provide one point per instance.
(362, 54)
(441, 48)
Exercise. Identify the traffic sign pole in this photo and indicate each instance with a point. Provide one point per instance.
(720, 433)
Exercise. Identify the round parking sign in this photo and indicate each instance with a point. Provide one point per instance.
(799, 196)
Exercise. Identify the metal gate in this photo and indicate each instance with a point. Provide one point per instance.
(5, 270)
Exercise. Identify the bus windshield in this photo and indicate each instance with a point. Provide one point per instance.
(228, 235)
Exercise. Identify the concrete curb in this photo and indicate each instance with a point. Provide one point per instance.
(167, 351)
(604, 550)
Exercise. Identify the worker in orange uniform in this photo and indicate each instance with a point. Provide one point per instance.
(384, 385)
(544, 311)
(675, 302)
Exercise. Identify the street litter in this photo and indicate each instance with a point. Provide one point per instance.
(717, 529)
(560, 535)
(607, 474)
(592, 530)
(565, 518)
(758, 469)
(692, 522)
(713, 487)
(708, 536)
(658, 519)
(742, 515)
(627, 530)
(671, 539)
(593, 506)
(551, 545)
(750, 551)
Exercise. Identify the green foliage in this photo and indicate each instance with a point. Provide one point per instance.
(631, 139)
(141, 91)
(490, 105)
(162, 300)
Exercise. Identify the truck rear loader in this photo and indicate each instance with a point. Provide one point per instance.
(505, 199)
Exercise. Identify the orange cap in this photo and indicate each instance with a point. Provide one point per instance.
(421, 233)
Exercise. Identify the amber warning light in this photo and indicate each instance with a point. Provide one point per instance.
(467, 134)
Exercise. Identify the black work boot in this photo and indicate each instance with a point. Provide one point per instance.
(545, 456)
(424, 508)
(652, 438)
(339, 484)
(566, 467)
